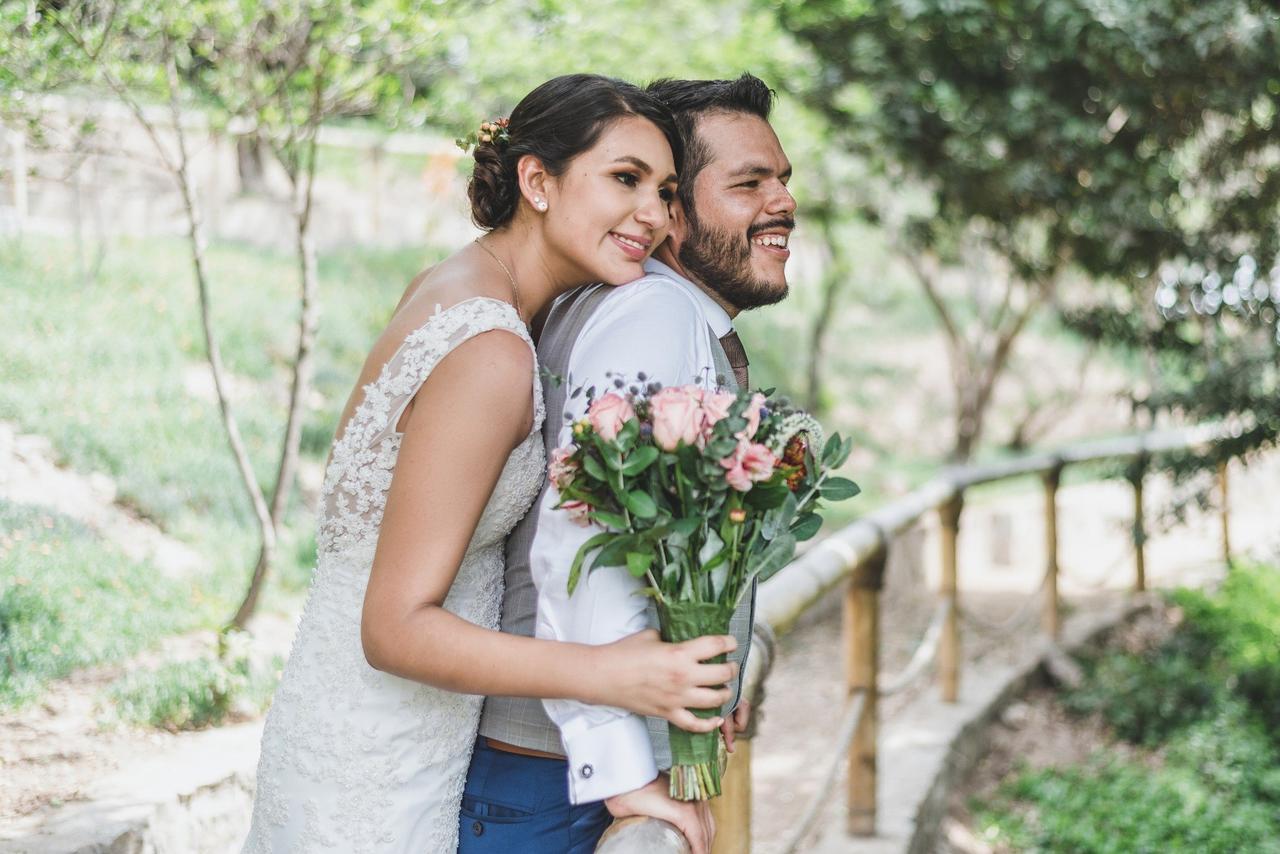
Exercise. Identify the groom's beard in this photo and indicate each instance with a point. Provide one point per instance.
(721, 260)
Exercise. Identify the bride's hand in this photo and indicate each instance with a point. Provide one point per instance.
(664, 680)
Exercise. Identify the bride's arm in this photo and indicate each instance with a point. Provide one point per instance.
(474, 408)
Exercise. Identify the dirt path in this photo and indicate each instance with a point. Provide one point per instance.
(29, 474)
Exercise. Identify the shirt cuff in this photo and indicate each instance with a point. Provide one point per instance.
(607, 759)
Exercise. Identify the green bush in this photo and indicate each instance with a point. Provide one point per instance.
(193, 694)
(1145, 698)
(1208, 700)
(1240, 627)
(1118, 807)
(68, 600)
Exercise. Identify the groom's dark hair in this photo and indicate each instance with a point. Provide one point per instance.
(689, 100)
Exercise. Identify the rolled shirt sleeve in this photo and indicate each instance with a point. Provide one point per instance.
(651, 326)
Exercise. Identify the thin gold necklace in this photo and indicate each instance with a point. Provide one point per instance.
(515, 290)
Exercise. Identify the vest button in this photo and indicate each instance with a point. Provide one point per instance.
(477, 829)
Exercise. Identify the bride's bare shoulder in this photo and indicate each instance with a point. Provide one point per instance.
(453, 280)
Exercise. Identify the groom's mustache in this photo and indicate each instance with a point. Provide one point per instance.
(782, 222)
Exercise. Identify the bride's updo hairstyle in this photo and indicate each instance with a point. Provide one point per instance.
(555, 123)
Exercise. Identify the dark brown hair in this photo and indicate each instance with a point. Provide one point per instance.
(555, 123)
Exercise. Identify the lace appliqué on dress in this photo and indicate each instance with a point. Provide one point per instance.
(353, 759)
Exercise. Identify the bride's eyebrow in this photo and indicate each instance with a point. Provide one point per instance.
(636, 162)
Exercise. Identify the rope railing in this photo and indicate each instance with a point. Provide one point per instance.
(844, 738)
(855, 557)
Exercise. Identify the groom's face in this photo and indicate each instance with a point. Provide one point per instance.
(735, 234)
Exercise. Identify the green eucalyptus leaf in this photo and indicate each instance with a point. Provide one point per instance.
(638, 563)
(838, 489)
(610, 520)
(639, 460)
(806, 526)
(592, 467)
(774, 557)
(641, 504)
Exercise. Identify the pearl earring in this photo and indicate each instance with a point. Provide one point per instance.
(540, 204)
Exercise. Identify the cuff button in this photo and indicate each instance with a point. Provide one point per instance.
(586, 771)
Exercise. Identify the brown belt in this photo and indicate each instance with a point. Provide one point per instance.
(522, 751)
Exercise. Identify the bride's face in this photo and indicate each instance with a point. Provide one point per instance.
(612, 207)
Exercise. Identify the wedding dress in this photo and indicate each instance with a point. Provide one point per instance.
(353, 759)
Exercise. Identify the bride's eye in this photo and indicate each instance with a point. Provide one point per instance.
(667, 194)
(631, 179)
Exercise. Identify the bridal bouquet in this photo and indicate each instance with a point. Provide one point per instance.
(700, 492)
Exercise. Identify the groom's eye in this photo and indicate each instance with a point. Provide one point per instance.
(750, 185)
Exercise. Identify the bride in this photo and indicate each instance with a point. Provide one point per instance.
(438, 455)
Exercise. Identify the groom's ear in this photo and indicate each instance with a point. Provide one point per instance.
(533, 179)
(679, 224)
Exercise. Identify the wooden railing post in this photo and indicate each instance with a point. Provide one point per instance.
(1223, 488)
(949, 652)
(732, 810)
(1137, 473)
(1051, 618)
(862, 673)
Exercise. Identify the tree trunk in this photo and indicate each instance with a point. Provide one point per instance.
(251, 164)
(831, 286)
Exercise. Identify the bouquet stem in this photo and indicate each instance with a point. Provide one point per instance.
(697, 759)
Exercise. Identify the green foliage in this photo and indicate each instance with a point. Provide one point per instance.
(1134, 142)
(1207, 701)
(68, 600)
(1240, 625)
(1116, 807)
(186, 695)
(110, 373)
(1145, 698)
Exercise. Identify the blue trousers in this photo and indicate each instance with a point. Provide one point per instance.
(516, 804)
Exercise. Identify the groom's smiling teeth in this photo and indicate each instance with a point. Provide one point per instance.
(779, 240)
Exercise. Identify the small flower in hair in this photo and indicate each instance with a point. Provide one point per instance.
(494, 132)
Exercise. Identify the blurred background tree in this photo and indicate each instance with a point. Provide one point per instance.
(1059, 138)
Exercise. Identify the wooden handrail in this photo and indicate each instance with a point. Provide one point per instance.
(855, 556)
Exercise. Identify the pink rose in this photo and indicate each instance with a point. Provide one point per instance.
(677, 416)
(749, 463)
(560, 470)
(607, 415)
(753, 416)
(578, 511)
(715, 406)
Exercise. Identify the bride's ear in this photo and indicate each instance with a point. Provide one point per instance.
(535, 182)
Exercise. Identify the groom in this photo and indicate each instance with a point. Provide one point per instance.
(727, 253)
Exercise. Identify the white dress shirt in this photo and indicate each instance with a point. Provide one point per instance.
(661, 325)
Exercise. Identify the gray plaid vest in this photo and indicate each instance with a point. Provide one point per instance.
(519, 720)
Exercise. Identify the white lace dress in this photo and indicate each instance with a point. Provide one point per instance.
(355, 760)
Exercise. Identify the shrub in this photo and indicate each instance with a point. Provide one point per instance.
(186, 695)
(68, 599)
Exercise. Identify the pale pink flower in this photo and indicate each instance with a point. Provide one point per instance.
(677, 416)
(607, 415)
(749, 463)
(715, 406)
(560, 470)
(578, 511)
